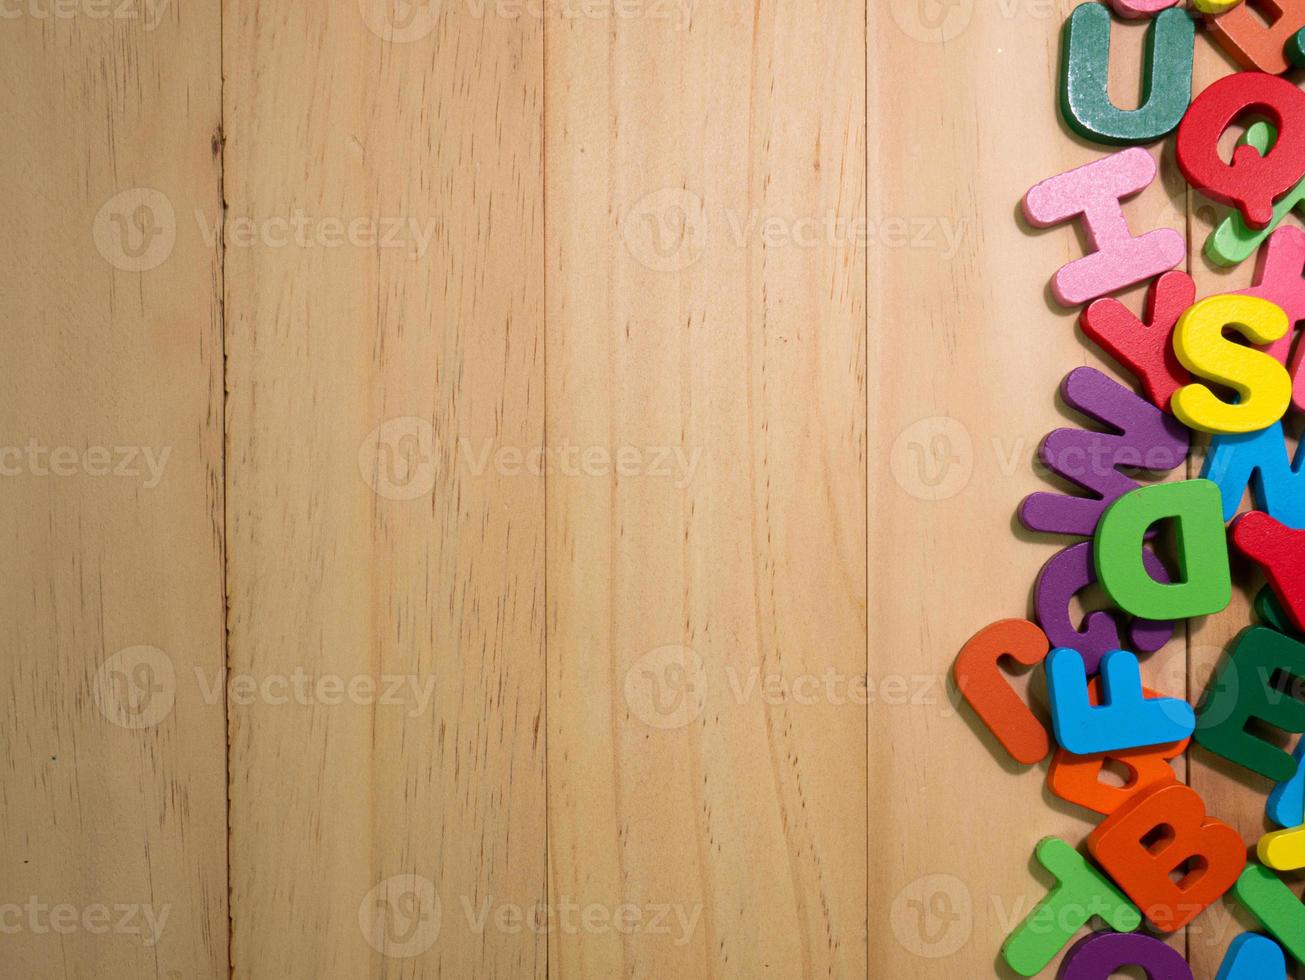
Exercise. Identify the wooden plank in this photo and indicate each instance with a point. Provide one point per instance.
(705, 183)
(112, 814)
(967, 352)
(381, 526)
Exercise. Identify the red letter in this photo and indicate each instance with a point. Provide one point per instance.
(1123, 845)
(1251, 182)
(1146, 348)
(1280, 551)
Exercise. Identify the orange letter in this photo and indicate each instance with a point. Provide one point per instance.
(1077, 778)
(980, 680)
(1123, 844)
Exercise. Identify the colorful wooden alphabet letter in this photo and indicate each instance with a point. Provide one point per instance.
(1232, 241)
(1145, 348)
(1144, 438)
(1125, 719)
(1104, 954)
(1138, 9)
(979, 678)
(1286, 805)
(1259, 460)
(1280, 551)
(1250, 43)
(1253, 957)
(1252, 182)
(1205, 580)
(1271, 614)
(1067, 574)
(1282, 850)
(1093, 191)
(1260, 380)
(1242, 690)
(1280, 279)
(1295, 50)
(1266, 897)
(1085, 73)
(1143, 870)
(1081, 892)
(1077, 778)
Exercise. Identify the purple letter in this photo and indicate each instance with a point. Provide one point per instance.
(1145, 438)
(1067, 574)
(1102, 954)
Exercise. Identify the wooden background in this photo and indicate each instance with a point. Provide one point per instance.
(365, 684)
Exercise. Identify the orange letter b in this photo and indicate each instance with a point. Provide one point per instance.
(1158, 832)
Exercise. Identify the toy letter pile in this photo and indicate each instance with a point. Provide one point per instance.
(1217, 367)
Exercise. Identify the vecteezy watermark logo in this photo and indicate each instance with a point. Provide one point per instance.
(303, 689)
(397, 459)
(835, 230)
(401, 21)
(932, 21)
(136, 229)
(136, 687)
(676, 922)
(148, 12)
(666, 231)
(933, 916)
(39, 918)
(299, 229)
(933, 459)
(667, 687)
(674, 463)
(401, 916)
(144, 463)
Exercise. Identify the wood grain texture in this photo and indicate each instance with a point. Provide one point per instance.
(966, 355)
(376, 530)
(626, 406)
(111, 582)
(697, 303)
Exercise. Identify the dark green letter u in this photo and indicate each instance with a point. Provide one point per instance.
(1085, 71)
